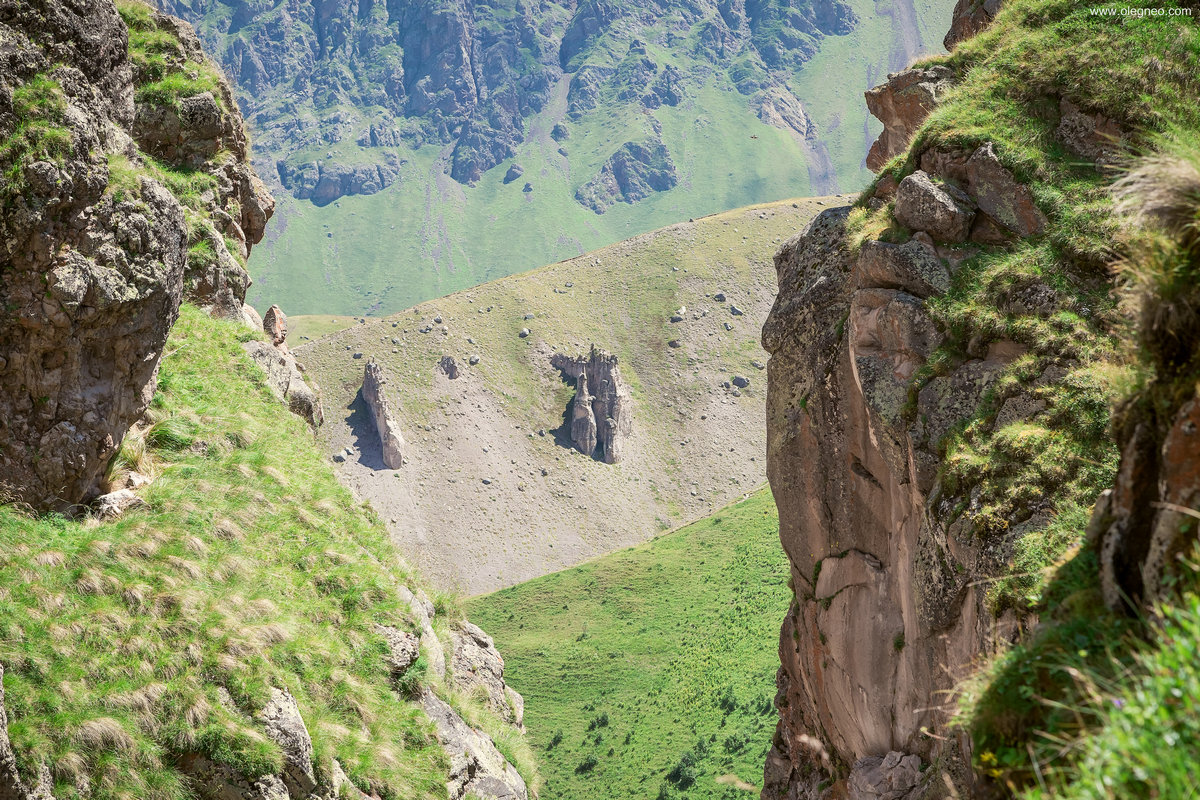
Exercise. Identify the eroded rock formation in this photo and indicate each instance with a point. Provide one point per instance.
(97, 253)
(602, 411)
(390, 440)
(901, 103)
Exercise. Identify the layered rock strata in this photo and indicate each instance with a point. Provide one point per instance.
(602, 411)
(99, 250)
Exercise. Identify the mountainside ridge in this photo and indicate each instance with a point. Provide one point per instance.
(713, 96)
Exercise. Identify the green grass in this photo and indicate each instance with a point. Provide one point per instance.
(163, 73)
(651, 669)
(40, 134)
(251, 568)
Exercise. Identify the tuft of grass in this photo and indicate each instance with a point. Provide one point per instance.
(120, 639)
(680, 656)
(39, 106)
(163, 74)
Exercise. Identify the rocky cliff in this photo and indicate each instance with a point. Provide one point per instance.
(938, 409)
(470, 75)
(126, 190)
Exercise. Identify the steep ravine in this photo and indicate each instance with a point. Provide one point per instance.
(943, 362)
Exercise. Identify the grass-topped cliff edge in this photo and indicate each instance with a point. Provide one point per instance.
(131, 643)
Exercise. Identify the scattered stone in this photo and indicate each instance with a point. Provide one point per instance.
(514, 171)
(487, 481)
(358, 356)
(735, 311)
(676, 318)
(528, 188)
(473, 360)
(719, 297)
(115, 504)
(728, 326)
(437, 320)
(524, 333)
(674, 344)
(740, 382)
(448, 367)
(758, 364)
(529, 316)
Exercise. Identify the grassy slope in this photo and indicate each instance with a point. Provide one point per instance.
(251, 568)
(694, 446)
(427, 236)
(1034, 709)
(628, 662)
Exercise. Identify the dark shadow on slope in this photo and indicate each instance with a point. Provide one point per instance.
(367, 446)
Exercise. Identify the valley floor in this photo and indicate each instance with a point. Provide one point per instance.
(650, 672)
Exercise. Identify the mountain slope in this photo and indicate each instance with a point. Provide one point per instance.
(650, 669)
(142, 655)
(409, 146)
(493, 492)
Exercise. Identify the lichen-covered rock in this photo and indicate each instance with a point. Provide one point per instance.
(941, 210)
(477, 768)
(287, 382)
(95, 247)
(285, 727)
(476, 663)
(12, 785)
(390, 440)
(998, 194)
(901, 103)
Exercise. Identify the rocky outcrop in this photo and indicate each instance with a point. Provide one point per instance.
(901, 104)
(285, 375)
(633, 173)
(97, 255)
(475, 662)
(390, 439)
(322, 182)
(602, 410)
(884, 574)
(969, 18)
(477, 768)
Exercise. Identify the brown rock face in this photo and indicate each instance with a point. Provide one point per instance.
(602, 411)
(392, 443)
(969, 18)
(901, 104)
(883, 591)
(1150, 515)
(285, 375)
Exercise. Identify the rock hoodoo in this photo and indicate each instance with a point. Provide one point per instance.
(98, 251)
(601, 413)
(390, 440)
